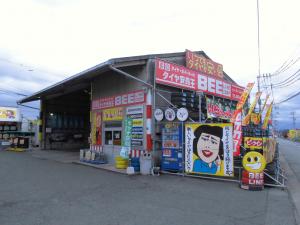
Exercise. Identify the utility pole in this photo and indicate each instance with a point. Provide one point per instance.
(294, 120)
(258, 50)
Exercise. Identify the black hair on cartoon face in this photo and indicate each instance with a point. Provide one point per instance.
(213, 130)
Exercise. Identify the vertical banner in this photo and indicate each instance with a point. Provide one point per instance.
(127, 135)
(268, 116)
(236, 119)
(93, 128)
(263, 108)
(242, 100)
(247, 118)
(209, 149)
(237, 133)
(98, 128)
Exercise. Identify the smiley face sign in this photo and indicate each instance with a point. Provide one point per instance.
(254, 162)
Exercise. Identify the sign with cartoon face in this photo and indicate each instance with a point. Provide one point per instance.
(254, 162)
(209, 149)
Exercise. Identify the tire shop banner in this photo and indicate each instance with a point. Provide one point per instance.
(216, 108)
(209, 149)
(174, 75)
(130, 98)
(203, 65)
(9, 114)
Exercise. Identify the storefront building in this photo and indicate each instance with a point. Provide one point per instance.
(111, 106)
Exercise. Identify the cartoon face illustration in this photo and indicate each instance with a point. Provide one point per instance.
(254, 162)
(208, 147)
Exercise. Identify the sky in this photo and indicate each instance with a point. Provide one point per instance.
(45, 41)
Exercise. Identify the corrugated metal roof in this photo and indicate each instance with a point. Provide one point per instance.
(86, 76)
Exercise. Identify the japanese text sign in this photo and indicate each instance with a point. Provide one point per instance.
(204, 65)
(181, 77)
(113, 114)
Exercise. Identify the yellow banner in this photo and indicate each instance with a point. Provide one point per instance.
(246, 119)
(267, 117)
(113, 114)
(242, 101)
(93, 127)
(263, 108)
(255, 118)
(244, 96)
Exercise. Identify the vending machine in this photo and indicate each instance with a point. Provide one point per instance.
(172, 147)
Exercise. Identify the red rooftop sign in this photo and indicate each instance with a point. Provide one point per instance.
(203, 65)
(181, 77)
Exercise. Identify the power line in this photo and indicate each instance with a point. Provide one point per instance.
(4, 91)
(289, 98)
(287, 64)
(289, 83)
(29, 106)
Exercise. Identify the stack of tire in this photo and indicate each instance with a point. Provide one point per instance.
(190, 101)
(121, 163)
(135, 163)
(186, 100)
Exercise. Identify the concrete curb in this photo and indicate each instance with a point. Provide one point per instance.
(293, 187)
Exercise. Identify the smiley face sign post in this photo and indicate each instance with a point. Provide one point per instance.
(254, 164)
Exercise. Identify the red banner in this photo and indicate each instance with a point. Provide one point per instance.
(181, 77)
(131, 98)
(237, 132)
(203, 65)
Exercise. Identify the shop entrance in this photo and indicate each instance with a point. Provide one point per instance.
(112, 139)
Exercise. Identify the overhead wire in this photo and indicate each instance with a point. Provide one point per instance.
(287, 63)
(289, 98)
(5, 91)
(288, 80)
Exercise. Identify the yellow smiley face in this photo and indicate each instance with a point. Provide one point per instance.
(254, 162)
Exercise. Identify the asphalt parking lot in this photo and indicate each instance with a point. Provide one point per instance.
(37, 191)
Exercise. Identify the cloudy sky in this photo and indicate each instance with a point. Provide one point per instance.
(45, 41)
